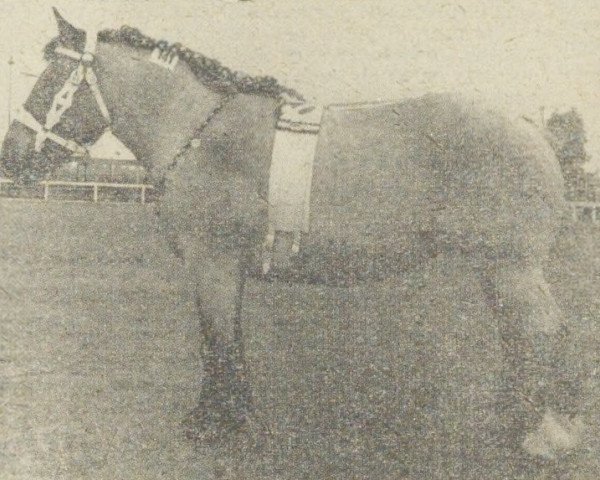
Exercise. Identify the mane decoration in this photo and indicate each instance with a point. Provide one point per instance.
(208, 71)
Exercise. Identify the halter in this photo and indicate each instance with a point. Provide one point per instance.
(64, 98)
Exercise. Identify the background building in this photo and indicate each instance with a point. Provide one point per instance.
(108, 161)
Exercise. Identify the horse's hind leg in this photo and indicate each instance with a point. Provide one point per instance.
(532, 329)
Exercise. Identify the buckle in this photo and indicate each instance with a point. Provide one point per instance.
(87, 58)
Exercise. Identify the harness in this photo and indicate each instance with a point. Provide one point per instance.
(64, 99)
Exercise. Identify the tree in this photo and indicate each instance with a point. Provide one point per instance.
(568, 139)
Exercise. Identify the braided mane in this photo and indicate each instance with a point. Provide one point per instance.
(208, 71)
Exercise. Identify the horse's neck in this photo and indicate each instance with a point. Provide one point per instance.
(156, 112)
(156, 138)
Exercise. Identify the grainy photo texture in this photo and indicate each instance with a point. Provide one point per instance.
(283, 240)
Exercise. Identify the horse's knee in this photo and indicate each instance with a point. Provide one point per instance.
(218, 284)
(536, 335)
(217, 308)
(524, 294)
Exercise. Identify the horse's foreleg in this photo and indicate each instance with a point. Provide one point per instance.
(533, 332)
(219, 284)
(225, 396)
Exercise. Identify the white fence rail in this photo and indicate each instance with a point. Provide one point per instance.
(94, 186)
(579, 210)
(582, 210)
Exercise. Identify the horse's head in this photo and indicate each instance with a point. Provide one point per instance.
(153, 95)
(61, 115)
(94, 81)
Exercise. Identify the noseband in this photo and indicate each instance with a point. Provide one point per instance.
(64, 98)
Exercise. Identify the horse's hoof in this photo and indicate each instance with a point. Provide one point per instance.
(220, 414)
(210, 428)
(555, 435)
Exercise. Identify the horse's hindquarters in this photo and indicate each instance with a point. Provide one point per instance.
(380, 380)
(434, 164)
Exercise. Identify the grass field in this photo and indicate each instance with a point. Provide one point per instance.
(99, 357)
(99, 346)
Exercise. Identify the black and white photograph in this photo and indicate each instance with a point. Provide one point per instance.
(299, 240)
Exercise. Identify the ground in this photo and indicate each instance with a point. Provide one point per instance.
(100, 364)
(99, 347)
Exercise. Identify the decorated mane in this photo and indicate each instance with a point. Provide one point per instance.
(208, 71)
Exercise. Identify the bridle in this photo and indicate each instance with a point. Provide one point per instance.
(64, 98)
(83, 72)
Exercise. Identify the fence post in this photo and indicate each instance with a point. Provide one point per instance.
(46, 191)
(143, 194)
(95, 192)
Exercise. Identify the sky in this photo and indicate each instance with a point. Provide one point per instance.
(529, 57)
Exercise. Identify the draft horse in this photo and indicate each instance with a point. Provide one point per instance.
(393, 184)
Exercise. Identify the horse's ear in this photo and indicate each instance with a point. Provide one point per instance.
(69, 35)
